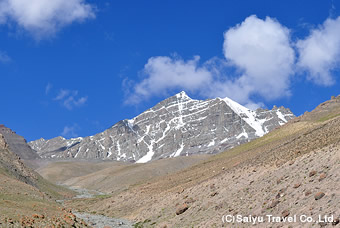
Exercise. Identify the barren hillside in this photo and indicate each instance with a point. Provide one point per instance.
(27, 200)
(112, 177)
(292, 170)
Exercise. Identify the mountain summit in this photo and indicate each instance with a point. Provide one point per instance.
(177, 126)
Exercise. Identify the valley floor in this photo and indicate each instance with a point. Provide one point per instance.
(291, 172)
(289, 190)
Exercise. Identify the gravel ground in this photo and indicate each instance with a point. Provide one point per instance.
(99, 221)
(85, 193)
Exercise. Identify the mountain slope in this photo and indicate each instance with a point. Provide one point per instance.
(17, 144)
(293, 170)
(27, 200)
(176, 126)
(11, 164)
(111, 176)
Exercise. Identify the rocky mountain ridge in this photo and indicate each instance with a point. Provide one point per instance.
(176, 126)
(11, 163)
(17, 144)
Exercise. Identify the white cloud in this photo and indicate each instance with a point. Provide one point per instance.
(237, 90)
(70, 131)
(319, 53)
(259, 49)
(44, 17)
(70, 99)
(260, 61)
(62, 94)
(164, 74)
(72, 102)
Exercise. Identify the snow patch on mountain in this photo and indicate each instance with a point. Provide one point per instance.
(177, 126)
(248, 115)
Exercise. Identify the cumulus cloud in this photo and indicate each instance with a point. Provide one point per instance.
(69, 98)
(260, 50)
(70, 131)
(259, 61)
(165, 73)
(44, 17)
(319, 53)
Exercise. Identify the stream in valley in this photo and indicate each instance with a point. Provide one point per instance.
(97, 221)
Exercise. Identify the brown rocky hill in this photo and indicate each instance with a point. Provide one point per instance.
(294, 170)
(13, 165)
(27, 200)
(18, 144)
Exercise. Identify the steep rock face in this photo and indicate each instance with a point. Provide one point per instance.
(12, 164)
(18, 144)
(3, 144)
(176, 126)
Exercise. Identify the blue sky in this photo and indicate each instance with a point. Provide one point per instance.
(76, 67)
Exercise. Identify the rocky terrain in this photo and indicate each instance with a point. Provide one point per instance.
(27, 200)
(18, 144)
(292, 171)
(12, 164)
(100, 221)
(176, 126)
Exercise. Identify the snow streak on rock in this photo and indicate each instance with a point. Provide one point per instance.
(176, 126)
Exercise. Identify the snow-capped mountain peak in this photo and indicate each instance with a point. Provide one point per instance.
(183, 95)
(176, 126)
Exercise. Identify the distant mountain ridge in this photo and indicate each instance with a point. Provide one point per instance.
(176, 126)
